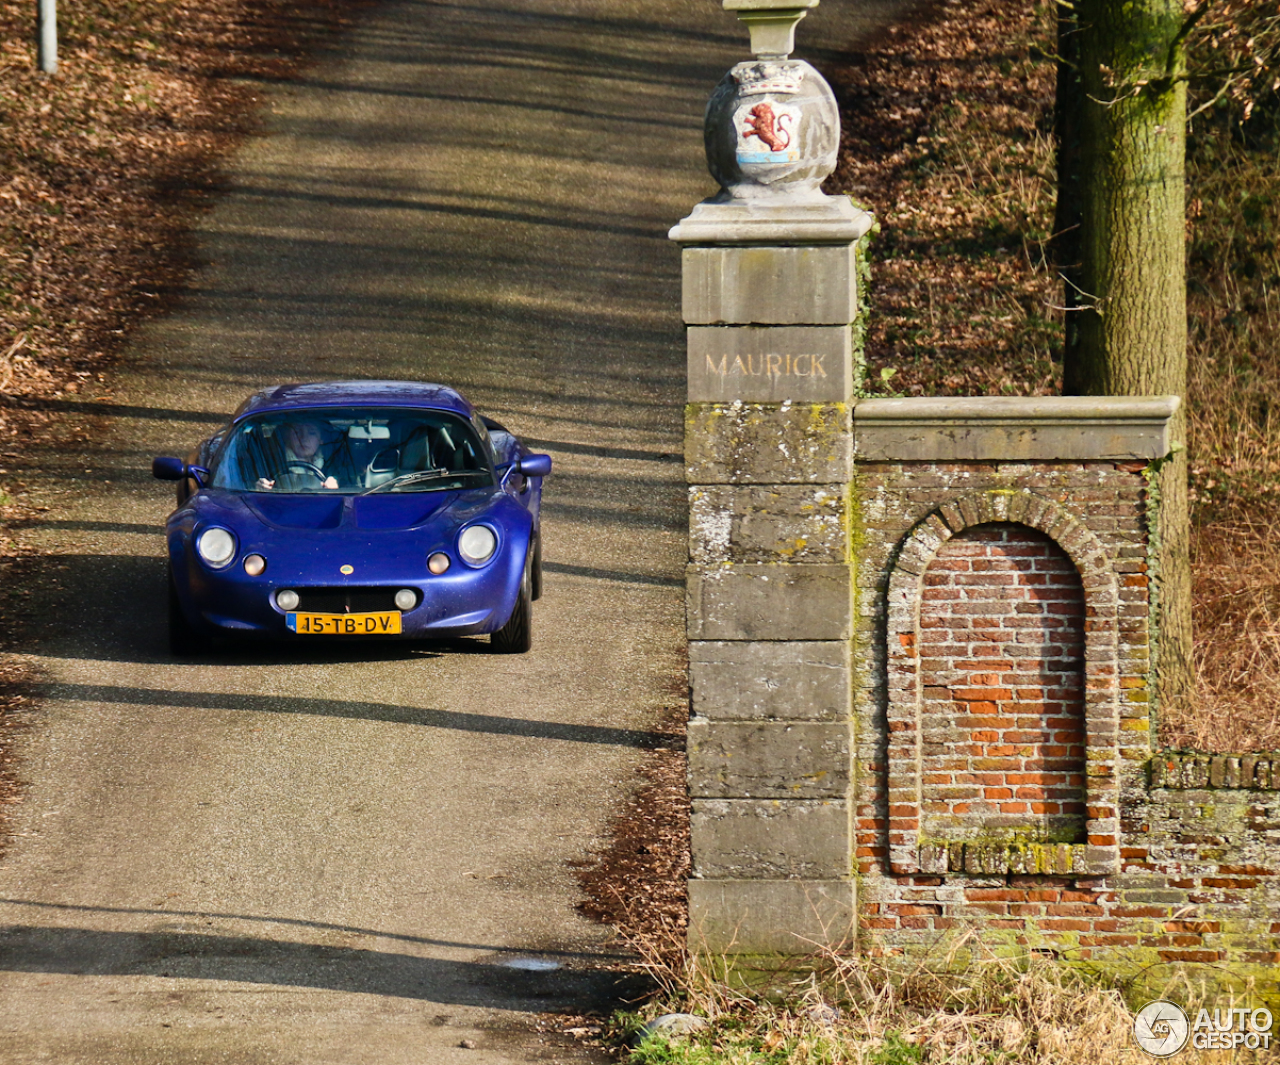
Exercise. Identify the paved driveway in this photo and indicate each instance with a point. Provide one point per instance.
(334, 855)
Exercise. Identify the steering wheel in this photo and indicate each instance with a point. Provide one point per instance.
(295, 465)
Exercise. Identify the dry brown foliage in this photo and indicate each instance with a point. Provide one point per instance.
(637, 881)
(103, 163)
(947, 139)
(1234, 48)
(16, 685)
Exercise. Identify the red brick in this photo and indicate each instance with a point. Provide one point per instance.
(1074, 909)
(995, 895)
(1139, 911)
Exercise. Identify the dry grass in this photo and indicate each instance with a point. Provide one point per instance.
(1234, 305)
(961, 1007)
(1237, 596)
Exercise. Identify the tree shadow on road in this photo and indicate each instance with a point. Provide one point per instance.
(453, 720)
(184, 955)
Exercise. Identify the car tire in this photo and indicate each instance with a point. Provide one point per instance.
(516, 636)
(183, 639)
(537, 567)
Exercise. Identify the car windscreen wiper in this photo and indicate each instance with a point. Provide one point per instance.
(411, 478)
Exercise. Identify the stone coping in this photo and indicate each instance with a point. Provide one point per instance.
(1014, 428)
(1190, 770)
(822, 220)
(768, 5)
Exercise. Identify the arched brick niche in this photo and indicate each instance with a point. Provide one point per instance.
(1002, 689)
(1002, 692)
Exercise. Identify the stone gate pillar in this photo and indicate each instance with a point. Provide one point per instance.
(769, 295)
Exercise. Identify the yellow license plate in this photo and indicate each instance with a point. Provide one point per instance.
(383, 623)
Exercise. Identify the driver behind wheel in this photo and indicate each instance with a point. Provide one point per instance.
(304, 459)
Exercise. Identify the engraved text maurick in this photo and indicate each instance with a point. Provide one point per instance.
(768, 365)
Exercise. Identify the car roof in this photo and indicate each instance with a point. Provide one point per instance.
(355, 393)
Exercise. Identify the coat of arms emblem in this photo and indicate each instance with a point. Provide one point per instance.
(767, 132)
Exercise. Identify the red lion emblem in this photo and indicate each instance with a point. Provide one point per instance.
(763, 123)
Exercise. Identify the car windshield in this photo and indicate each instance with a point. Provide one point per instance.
(352, 450)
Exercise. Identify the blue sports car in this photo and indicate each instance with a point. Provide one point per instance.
(355, 509)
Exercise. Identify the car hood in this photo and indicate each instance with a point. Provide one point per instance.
(344, 514)
(361, 512)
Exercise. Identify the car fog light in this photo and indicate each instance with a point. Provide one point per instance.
(216, 546)
(287, 599)
(405, 599)
(438, 563)
(477, 544)
(254, 564)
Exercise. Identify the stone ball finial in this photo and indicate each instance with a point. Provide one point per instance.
(772, 130)
(772, 125)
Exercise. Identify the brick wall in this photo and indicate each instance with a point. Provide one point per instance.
(1002, 679)
(911, 511)
(1180, 857)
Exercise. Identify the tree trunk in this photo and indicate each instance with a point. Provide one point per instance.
(1131, 325)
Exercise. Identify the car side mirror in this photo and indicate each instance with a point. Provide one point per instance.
(165, 468)
(535, 465)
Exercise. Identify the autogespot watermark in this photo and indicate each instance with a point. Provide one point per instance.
(1163, 1028)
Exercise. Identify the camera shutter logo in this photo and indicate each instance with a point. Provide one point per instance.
(1161, 1028)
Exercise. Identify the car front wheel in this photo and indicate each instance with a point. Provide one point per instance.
(516, 636)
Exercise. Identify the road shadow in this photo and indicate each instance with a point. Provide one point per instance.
(183, 955)
(578, 957)
(453, 720)
(77, 614)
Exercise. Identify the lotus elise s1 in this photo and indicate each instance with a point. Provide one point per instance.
(355, 509)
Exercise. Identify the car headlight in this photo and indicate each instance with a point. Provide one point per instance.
(477, 544)
(287, 599)
(216, 546)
